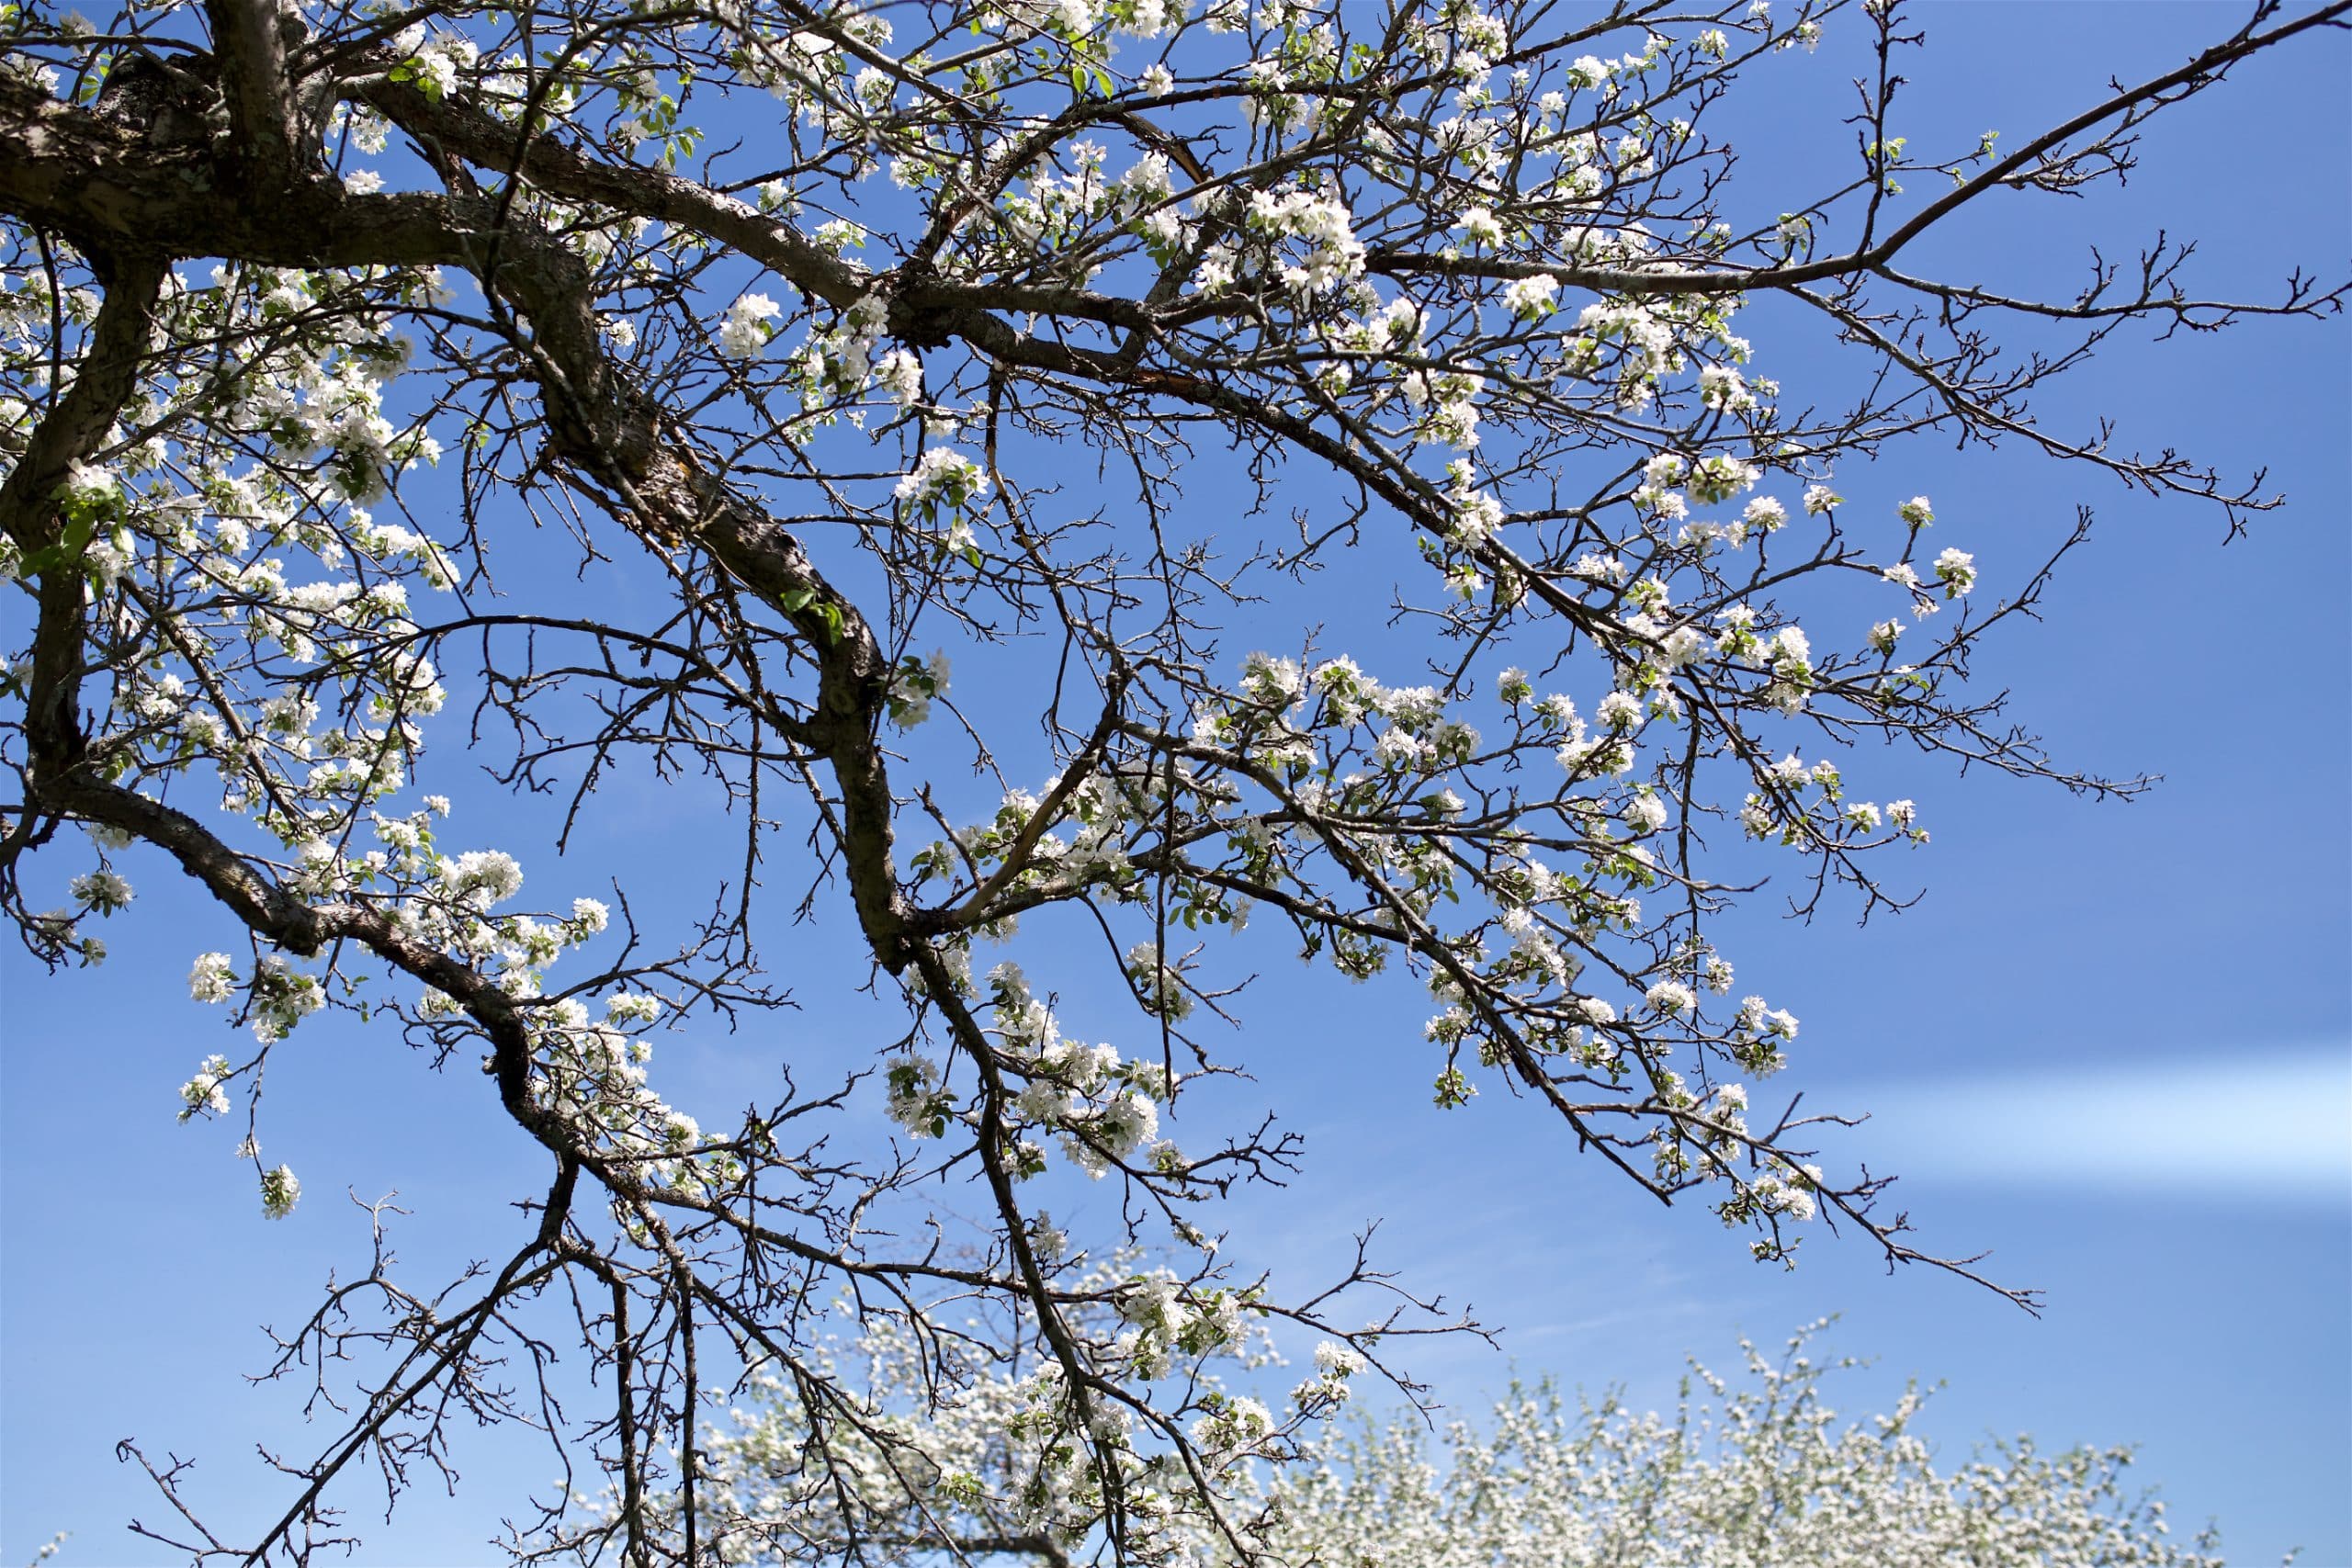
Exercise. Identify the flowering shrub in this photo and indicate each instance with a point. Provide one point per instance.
(844, 343)
(1757, 1471)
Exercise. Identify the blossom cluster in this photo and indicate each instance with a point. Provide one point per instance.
(1102, 1109)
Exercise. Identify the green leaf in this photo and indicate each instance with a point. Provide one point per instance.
(68, 548)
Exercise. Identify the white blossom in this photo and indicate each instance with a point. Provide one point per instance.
(1956, 569)
(279, 1192)
(211, 978)
(744, 333)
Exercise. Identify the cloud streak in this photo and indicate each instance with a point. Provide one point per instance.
(2275, 1121)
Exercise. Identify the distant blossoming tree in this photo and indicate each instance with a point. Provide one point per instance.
(1763, 1474)
(689, 391)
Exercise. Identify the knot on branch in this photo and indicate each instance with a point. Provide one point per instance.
(921, 326)
(169, 103)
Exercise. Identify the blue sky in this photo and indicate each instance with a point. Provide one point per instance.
(2112, 1043)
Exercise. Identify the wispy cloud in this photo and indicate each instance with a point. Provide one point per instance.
(2272, 1121)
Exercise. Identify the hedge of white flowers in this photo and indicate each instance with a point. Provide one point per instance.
(1757, 1470)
